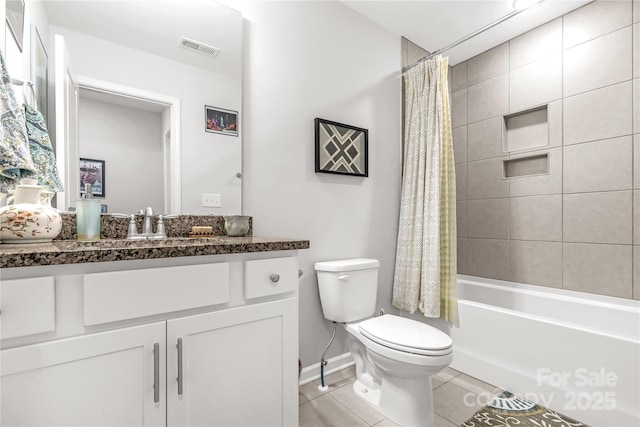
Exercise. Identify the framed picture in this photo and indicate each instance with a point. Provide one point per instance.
(103, 209)
(219, 120)
(92, 172)
(341, 149)
(39, 72)
(15, 20)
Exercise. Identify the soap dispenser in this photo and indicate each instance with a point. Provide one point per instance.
(88, 216)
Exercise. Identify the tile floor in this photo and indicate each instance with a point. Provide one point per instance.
(456, 397)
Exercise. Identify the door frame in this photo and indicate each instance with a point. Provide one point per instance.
(172, 193)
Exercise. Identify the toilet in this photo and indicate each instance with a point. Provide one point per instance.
(395, 357)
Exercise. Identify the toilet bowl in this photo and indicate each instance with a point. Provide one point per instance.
(395, 357)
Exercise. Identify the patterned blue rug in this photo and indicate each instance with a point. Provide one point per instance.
(507, 410)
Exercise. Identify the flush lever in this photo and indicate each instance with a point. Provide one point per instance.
(344, 277)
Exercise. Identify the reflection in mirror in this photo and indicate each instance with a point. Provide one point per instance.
(141, 101)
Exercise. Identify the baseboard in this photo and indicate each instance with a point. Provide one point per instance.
(334, 364)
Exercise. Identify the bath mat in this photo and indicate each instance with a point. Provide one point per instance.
(507, 410)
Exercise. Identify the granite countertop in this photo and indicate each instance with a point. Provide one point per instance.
(75, 252)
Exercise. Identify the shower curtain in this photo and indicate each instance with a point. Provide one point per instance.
(425, 270)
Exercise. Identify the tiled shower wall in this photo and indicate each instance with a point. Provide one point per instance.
(574, 227)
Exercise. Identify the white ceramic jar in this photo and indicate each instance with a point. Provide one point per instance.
(27, 220)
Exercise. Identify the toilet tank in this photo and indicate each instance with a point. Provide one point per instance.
(348, 288)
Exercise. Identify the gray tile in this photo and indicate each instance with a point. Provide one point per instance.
(550, 183)
(485, 179)
(594, 20)
(447, 374)
(405, 57)
(459, 108)
(325, 411)
(636, 50)
(461, 218)
(436, 382)
(636, 105)
(598, 166)
(459, 136)
(636, 217)
(309, 391)
(489, 98)
(535, 84)
(536, 263)
(599, 114)
(598, 269)
(387, 423)
(348, 398)
(439, 421)
(598, 217)
(489, 218)
(475, 385)
(485, 139)
(459, 77)
(536, 218)
(415, 52)
(488, 64)
(597, 63)
(636, 10)
(461, 181)
(636, 272)
(455, 403)
(488, 258)
(462, 256)
(536, 44)
(636, 161)
(554, 115)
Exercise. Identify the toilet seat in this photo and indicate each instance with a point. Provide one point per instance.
(406, 335)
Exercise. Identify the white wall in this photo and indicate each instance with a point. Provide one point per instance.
(321, 59)
(130, 142)
(209, 162)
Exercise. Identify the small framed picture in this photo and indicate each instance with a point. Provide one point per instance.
(341, 149)
(103, 209)
(15, 20)
(219, 120)
(92, 172)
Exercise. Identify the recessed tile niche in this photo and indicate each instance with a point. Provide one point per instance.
(526, 166)
(526, 130)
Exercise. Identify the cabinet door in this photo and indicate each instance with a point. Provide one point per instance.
(237, 367)
(105, 379)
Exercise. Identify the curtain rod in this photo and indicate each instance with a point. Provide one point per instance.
(465, 38)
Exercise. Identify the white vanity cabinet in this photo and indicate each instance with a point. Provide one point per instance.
(110, 378)
(227, 357)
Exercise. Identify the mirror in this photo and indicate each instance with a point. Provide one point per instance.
(145, 72)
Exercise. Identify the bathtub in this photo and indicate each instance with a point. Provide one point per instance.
(575, 353)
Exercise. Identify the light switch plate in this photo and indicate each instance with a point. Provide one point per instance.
(211, 200)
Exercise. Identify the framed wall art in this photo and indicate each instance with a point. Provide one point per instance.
(92, 172)
(39, 72)
(220, 120)
(341, 149)
(15, 20)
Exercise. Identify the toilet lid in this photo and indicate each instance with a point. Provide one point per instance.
(406, 335)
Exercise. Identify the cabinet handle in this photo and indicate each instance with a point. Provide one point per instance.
(180, 377)
(274, 277)
(156, 373)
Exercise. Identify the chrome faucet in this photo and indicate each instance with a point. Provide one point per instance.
(147, 225)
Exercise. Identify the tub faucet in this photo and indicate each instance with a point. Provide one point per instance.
(147, 225)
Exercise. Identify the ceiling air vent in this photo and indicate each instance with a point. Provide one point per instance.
(199, 47)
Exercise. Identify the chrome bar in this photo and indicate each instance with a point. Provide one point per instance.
(180, 374)
(156, 373)
(465, 38)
